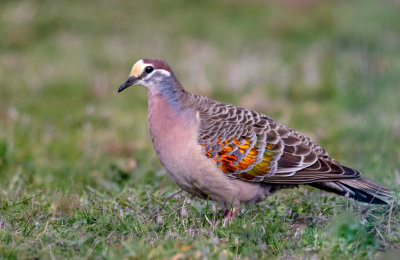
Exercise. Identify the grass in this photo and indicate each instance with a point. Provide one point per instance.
(78, 174)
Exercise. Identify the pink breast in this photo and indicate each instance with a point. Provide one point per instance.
(172, 131)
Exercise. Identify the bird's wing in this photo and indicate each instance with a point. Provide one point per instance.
(251, 146)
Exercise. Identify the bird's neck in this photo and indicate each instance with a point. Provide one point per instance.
(172, 92)
(168, 101)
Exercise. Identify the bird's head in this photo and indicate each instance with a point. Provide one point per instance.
(148, 73)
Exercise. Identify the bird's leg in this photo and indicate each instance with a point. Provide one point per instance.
(225, 213)
(229, 215)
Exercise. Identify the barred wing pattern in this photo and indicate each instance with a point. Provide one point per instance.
(251, 146)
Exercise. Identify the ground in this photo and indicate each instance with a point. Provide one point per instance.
(78, 174)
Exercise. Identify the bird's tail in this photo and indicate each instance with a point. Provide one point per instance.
(360, 189)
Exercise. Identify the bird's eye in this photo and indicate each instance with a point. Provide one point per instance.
(148, 69)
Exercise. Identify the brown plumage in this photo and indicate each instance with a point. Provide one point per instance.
(251, 146)
(233, 155)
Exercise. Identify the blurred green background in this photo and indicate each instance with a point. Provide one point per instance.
(330, 69)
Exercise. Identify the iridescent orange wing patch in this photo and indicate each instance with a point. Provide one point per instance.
(244, 167)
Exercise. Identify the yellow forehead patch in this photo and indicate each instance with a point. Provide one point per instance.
(137, 69)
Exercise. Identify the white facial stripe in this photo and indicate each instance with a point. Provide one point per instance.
(156, 74)
(166, 73)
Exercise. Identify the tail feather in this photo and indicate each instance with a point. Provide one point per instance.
(360, 189)
(368, 186)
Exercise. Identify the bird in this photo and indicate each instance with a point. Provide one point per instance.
(233, 155)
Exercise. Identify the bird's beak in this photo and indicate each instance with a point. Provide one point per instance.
(129, 82)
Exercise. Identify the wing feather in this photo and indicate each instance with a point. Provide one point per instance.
(248, 145)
